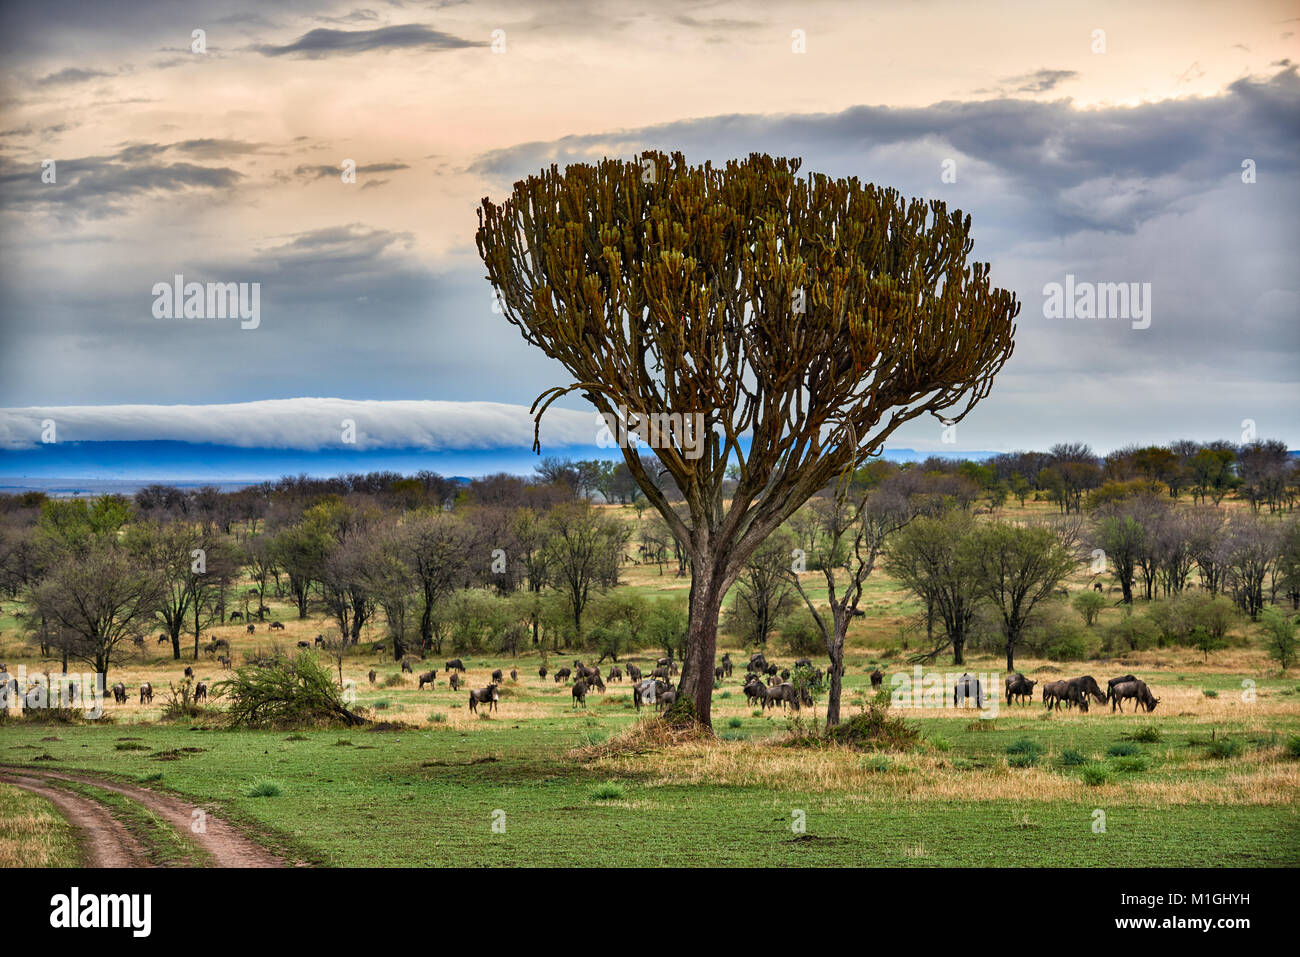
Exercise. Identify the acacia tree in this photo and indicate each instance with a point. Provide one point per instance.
(811, 316)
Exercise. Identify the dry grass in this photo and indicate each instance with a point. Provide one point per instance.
(32, 832)
(648, 736)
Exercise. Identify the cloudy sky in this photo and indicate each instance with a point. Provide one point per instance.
(1103, 140)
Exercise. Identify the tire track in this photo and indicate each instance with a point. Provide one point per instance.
(104, 840)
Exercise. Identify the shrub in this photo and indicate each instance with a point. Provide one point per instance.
(296, 693)
(1148, 734)
(1293, 746)
(609, 791)
(393, 680)
(1123, 749)
(437, 717)
(1089, 605)
(876, 763)
(875, 730)
(1070, 758)
(1027, 760)
(264, 789)
(1025, 746)
(1209, 692)
(940, 743)
(1094, 774)
(734, 723)
(1136, 762)
(1225, 748)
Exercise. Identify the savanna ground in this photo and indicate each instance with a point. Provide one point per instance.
(1209, 779)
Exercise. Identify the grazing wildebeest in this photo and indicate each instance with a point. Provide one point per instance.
(263, 610)
(251, 629)
(1018, 686)
(877, 678)
(371, 676)
(488, 695)
(137, 640)
(319, 641)
(189, 672)
(1135, 689)
(1110, 685)
(579, 693)
(1083, 686)
(594, 680)
(453, 679)
(1096, 586)
(754, 690)
(236, 616)
(803, 662)
(498, 677)
(163, 639)
(304, 644)
(783, 693)
(966, 688)
(726, 664)
(225, 661)
(146, 693)
(406, 666)
(615, 674)
(660, 673)
(633, 672)
(541, 672)
(427, 679)
(277, 626)
(643, 687)
(455, 665)
(562, 675)
(1054, 692)
(221, 643)
(200, 692)
(119, 693)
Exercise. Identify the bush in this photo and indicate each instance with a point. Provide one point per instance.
(876, 763)
(734, 723)
(1123, 749)
(1094, 774)
(1209, 692)
(1293, 746)
(939, 743)
(1132, 763)
(1225, 748)
(437, 717)
(1089, 605)
(1022, 760)
(264, 789)
(874, 730)
(609, 791)
(800, 635)
(1070, 758)
(1130, 633)
(1148, 734)
(297, 693)
(1025, 746)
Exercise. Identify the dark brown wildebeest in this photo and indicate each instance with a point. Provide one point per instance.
(718, 674)
(277, 626)
(371, 676)
(562, 675)
(589, 675)
(633, 672)
(785, 674)
(427, 679)
(1018, 686)
(453, 679)
(594, 681)
(616, 674)
(264, 610)
(488, 696)
(236, 616)
(643, 688)
(200, 692)
(146, 693)
(579, 693)
(1096, 586)
(877, 678)
(455, 664)
(772, 670)
(163, 639)
(1135, 689)
(406, 666)
(726, 664)
(1110, 685)
(319, 641)
(783, 693)
(225, 661)
(137, 640)
(968, 687)
(251, 629)
(1083, 686)
(803, 662)
(222, 644)
(661, 673)
(541, 672)
(498, 677)
(754, 690)
(189, 672)
(757, 662)
(1054, 692)
(514, 675)
(304, 644)
(119, 693)
(667, 698)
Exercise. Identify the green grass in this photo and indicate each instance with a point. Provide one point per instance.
(33, 833)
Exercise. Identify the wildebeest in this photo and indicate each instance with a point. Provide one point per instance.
(594, 680)
(1096, 586)
(784, 693)
(1080, 688)
(319, 641)
(146, 693)
(803, 662)
(667, 698)
(453, 679)
(455, 664)
(200, 692)
(785, 674)
(277, 626)
(225, 661)
(643, 688)
(427, 679)
(1054, 692)
(236, 616)
(189, 672)
(371, 676)
(137, 640)
(486, 695)
(304, 644)
(251, 629)
(514, 675)
(757, 662)
(1110, 685)
(615, 674)
(726, 664)
(1135, 689)
(579, 693)
(562, 675)
(119, 693)
(498, 677)
(1018, 686)
(633, 672)
(754, 690)
(877, 678)
(541, 672)
(719, 673)
(966, 688)
(163, 639)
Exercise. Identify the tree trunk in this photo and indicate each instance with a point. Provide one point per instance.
(701, 642)
(1011, 656)
(837, 684)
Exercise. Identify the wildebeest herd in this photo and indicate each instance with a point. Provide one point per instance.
(1073, 692)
